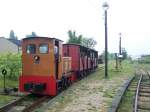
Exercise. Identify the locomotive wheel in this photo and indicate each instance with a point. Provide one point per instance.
(64, 82)
(82, 75)
(68, 82)
(59, 87)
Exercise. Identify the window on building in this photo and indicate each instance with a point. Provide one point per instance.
(31, 49)
(43, 48)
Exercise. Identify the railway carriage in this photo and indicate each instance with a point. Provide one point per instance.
(83, 59)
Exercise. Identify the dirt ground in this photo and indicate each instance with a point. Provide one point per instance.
(91, 94)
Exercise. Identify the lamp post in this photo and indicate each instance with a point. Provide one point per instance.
(105, 7)
(120, 52)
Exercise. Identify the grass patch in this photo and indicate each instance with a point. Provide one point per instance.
(5, 99)
(127, 101)
(125, 69)
(109, 94)
(9, 83)
(115, 80)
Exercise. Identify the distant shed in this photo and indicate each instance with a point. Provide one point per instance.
(9, 45)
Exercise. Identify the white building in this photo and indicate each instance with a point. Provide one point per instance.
(9, 45)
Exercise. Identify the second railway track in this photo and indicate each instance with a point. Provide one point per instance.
(142, 98)
(134, 98)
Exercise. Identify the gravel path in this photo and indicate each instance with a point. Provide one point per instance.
(92, 94)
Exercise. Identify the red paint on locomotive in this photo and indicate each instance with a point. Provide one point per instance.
(49, 81)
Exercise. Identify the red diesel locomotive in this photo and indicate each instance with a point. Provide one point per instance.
(48, 66)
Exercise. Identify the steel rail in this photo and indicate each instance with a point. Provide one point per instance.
(120, 93)
(137, 94)
(11, 104)
(35, 104)
(148, 75)
(27, 108)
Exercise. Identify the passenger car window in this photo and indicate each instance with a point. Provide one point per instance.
(31, 49)
(43, 48)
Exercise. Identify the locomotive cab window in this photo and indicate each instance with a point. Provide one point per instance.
(56, 50)
(31, 49)
(43, 48)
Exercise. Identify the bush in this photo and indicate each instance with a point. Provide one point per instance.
(12, 63)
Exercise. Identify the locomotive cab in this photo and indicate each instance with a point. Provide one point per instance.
(41, 65)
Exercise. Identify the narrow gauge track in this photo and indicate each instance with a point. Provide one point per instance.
(28, 103)
(142, 98)
(120, 94)
(140, 88)
(25, 104)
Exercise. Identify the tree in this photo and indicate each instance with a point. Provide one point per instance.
(124, 53)
(89, 42)
(111, 56)
(12, 63)
(12, 35)
(73, 38)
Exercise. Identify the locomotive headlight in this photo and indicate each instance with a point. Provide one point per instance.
(37, 58)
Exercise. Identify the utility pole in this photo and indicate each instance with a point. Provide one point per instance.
(116, 61)
(120, 53)
(106, 6)
(120, 50)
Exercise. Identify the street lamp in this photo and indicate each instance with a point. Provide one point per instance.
(120, 52)
(120, 35)
(105, 7)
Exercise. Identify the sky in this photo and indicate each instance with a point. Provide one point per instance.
(53, 18)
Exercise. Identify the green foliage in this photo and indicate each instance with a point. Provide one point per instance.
(144, 59)
(73, 38)
(127, 68)
(5, 99)
(111, 56)
(124, 53)
(87, 42)
(12, 63)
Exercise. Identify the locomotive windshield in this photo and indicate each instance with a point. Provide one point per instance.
(43, 48)
(31, 49)
(55, 50)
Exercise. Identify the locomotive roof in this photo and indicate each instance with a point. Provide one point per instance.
(27, 38)
(80, 46)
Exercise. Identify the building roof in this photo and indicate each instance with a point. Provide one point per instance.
(81, 46)
(41, 37)
(17, 42)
